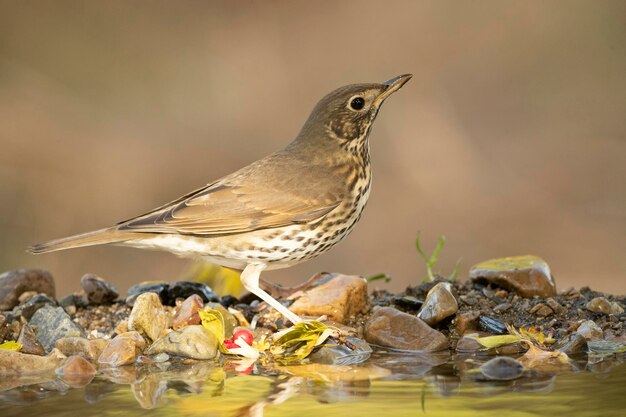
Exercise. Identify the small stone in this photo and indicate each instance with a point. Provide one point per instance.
(184, 289)
(90, 349)
(502, 368)
(335, 353)
(575, 344)
(29, 342)
(77, 300)
(53, 323)
(16, 363)
(122, 327)
(541, 310)
(76, 371)
(466, 321)
(502, 307)
(555, 306)
(188, 312)
(26, 296)
(15, 283)
(439, 304)
(148, 316)
(468, 345)
(161, 357)
(191, 342)
(35, 303)
(98, 290)
(590, 330)
(392, 328)
(616, 309)
(159, 288)
(491, 325)
(526, 275)
(599, 305)
(408, 302)
(228, 300)
(122, 350)
(340, 299)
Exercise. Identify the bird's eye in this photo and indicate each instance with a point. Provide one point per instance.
(357, 103)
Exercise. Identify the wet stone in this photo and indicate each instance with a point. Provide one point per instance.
(468, 345)
(228, 301)
(408, 302)
(15, 283)
(466, 321)
(53, 323)
(334, 352)
(526, 275)
(16, 363)
(90, 349)
(491, 325)
(502, 368)
(575, 344)
(590, 330)
(29, 342)
(340, 299)
(98, 291)
(439, 304)
(148, 316)
(35, 303)
(188, 312)
(392, 328)
(191, 342)
(76, 371)
(159, 288)
(184, 289)
(123, 350)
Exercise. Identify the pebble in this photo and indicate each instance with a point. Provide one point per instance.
(29, 342)
(16, 363)
(500, 308)
(184, 289)
(590, 330)
(528, 276)
(53, 323)
(408, 302)
(555, 306)
(502, 368)
(332, 352)
(191, 342)
(575, 344)
(340, 299)
(604, 306)
(188, 312)
(159, 288)
(439, 304)
(392, 328)
(491, 325)
(122, 350)
(90, 349)
(15, 283)
(35, 303)
(161, 357)
(541, 310)
(148, 316)
(76, 371)
(469, 300)
(98, 291)
(468, 345)
(76, 300)
(466, 321)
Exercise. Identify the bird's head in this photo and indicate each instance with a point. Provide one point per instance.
(347, 113)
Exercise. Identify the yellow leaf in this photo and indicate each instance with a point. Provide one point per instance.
(490, 342)
(213, 321)
(11, 345)
(297, 343)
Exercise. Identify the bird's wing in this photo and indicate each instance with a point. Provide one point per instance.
(237, 204)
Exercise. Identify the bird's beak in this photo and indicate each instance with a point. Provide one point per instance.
(392, 86)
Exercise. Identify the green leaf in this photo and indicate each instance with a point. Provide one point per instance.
(213, 321)
(298, 342)
(377, 277)
(11, 345)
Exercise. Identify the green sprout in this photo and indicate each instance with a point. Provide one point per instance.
(431, 260)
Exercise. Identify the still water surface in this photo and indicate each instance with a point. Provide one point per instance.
(389, 384)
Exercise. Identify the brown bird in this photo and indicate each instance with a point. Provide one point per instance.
(276, 212)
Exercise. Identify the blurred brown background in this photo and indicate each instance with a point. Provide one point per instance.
(510, 139)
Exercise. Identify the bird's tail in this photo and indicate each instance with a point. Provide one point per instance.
(97, 237)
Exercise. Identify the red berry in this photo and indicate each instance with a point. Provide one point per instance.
(244, 334)
(229, 344)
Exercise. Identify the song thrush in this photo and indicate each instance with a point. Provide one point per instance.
(276, 212)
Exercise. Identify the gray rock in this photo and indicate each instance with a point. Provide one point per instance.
(35, 303)
(76, 300)
(439, 304)
(183, 289)
(502, 368)
(526, 275)
(575, 344)
(29, 342)
(98, 290)
(590, 330)
(335, 353)
(15, 283)
(191, 342)
(53, 323)
(392, 328)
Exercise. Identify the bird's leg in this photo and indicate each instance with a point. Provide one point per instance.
(250, 280)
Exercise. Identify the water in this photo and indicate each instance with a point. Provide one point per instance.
(389, 384)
